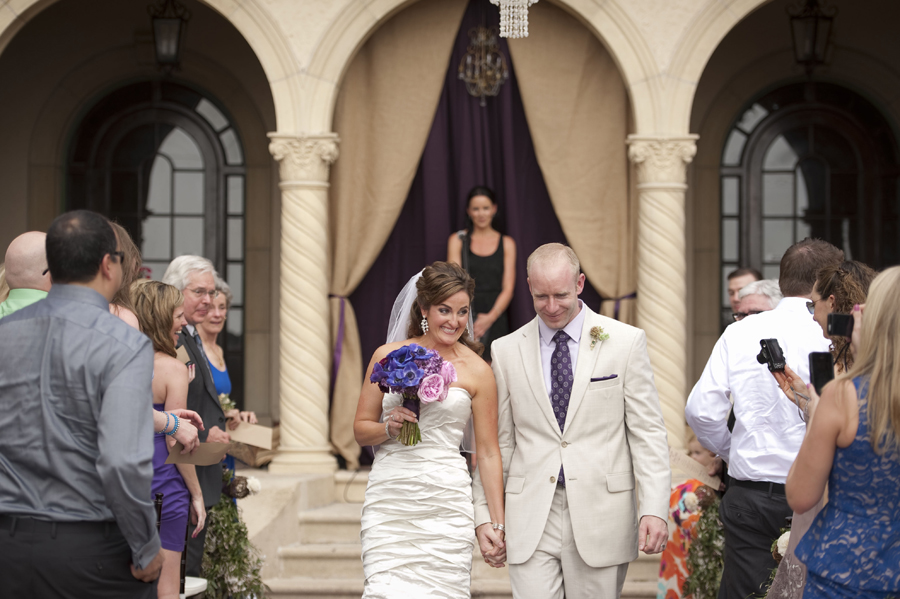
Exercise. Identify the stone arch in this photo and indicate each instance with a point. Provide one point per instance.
(360, 19)
(253, 22)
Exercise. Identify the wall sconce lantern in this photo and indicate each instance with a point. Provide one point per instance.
(169, 19)
(811, 26)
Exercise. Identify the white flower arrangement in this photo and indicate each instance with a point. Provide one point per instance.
(782, 545)
(691, 502)
(253, 485)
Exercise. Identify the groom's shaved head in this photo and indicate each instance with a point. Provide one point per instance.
(554, 254)
(26, 261)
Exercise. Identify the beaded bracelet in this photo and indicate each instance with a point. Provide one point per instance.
(174, 430)
(167, 422)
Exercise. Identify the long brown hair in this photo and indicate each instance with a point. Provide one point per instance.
(849, 283)
(878, 359)
(438, 282)
(154, 305)
(131, 266)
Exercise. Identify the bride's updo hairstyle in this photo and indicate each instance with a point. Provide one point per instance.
(438, 282)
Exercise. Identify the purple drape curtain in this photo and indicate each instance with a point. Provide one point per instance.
(468, 145)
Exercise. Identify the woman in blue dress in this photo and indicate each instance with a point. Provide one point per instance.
(209, 331)
(852, 442)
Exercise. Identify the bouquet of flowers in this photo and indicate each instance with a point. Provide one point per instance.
(420, 375)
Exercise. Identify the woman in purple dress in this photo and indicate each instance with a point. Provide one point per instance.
(160, 313)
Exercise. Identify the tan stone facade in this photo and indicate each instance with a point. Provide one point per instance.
(689, 67)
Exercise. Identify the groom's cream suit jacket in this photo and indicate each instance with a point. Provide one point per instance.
(614, 436)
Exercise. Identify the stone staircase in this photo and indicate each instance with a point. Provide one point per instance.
(309, 532)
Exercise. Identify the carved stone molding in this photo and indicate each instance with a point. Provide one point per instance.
(304, 157)
(661, 159)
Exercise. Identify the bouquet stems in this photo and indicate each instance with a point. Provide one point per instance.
(409, 432)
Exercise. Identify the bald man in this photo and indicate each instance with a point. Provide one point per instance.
(26, 272)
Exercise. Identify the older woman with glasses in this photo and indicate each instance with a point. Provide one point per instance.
(209, 330)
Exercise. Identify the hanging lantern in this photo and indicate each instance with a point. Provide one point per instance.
(811, 26)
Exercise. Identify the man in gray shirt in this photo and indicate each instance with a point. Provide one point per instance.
(76, 426)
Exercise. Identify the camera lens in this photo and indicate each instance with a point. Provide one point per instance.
(763, 357)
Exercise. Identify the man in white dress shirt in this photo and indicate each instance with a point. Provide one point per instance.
(768, 429)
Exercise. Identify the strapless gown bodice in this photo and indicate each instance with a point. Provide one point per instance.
(418, 523)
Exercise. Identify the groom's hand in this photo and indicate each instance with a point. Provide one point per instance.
(652, 535)
(492, 545)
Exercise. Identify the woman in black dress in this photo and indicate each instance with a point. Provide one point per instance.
(490, 259)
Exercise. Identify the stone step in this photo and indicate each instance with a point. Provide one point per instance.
(350, 485)
(644, 568)
(336, 523)
(322, 561)
(313, 588)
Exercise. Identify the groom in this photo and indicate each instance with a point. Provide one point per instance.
(579, 423)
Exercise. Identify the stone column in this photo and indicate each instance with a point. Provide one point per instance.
(305, 345)
(662, 266)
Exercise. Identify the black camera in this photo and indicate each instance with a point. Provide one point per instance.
(840, 325)
(771, 355)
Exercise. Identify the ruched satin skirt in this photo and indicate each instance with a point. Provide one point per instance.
(418, 529)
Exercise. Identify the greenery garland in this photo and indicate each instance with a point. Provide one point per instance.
(706, 557)
(231, 564)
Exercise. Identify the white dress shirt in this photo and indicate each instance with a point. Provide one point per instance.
(768, 428)
(548, 345)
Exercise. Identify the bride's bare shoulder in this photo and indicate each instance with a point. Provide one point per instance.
(387, 348)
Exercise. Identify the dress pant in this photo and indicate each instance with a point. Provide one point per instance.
(753, 519)
(66, 560)
(556, 570)
(195, 551)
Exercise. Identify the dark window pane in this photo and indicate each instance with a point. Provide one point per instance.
(778, 235)
(780, 155)
(212, 114)
(136, 147)
(188, 236)
(157, 238)
(731, 195)
(124, 192)
(730, 239)
(182, 150)
(734, 146)
(189, 193)
(235, 233)
(235, 278)
(233, 152)
(835, 149)
(778, 194)
(159, 195)
(235, 195)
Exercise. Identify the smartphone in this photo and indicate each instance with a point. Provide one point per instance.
(821, 369)
(840, 325)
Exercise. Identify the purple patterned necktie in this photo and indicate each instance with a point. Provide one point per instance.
(561, 378)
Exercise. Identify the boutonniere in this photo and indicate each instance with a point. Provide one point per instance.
(597, 334)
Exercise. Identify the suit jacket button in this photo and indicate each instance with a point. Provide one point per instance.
(564, 444)
(552, 479)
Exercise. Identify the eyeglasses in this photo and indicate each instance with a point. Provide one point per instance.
(811, 305)
(198, 293)
(742, 315)
(120, 255)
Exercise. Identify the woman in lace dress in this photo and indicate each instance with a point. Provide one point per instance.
(836, 290)
(852, 442)
(418, 527)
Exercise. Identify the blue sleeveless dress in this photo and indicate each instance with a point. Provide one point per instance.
(852, 548)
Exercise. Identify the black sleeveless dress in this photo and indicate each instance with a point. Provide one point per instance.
(488, 274)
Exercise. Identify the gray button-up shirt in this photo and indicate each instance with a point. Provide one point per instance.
(76, 417)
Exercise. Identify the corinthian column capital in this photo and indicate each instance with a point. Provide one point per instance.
(304, 158)
(661, 159)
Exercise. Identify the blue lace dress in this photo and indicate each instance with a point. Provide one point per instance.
(852, 548)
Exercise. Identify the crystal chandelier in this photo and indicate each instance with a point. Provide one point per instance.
(514, 17)
(483, 68)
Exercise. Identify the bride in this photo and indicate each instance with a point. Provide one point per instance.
(418, 526)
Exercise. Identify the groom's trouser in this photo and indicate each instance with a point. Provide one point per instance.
(556, 570)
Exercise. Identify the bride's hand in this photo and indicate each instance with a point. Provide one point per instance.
(492, 544)
(396, 417)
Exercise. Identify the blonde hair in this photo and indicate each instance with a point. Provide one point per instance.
(154, 305)
(550, 252)
(878, 359)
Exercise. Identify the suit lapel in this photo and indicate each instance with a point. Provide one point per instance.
(534, 372)
(201, 364)
(587, 360)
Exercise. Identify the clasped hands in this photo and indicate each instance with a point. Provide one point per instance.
(492, 543)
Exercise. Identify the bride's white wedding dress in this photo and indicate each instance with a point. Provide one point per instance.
(418, 523)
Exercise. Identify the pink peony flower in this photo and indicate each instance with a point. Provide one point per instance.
(432, 388)
(448, 373)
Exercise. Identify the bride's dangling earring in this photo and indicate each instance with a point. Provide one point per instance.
(424, 324)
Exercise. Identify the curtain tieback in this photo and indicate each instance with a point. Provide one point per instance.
(618, 300)
(338, 347)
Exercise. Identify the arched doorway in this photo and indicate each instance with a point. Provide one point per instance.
(165, 162)
(808, 160)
